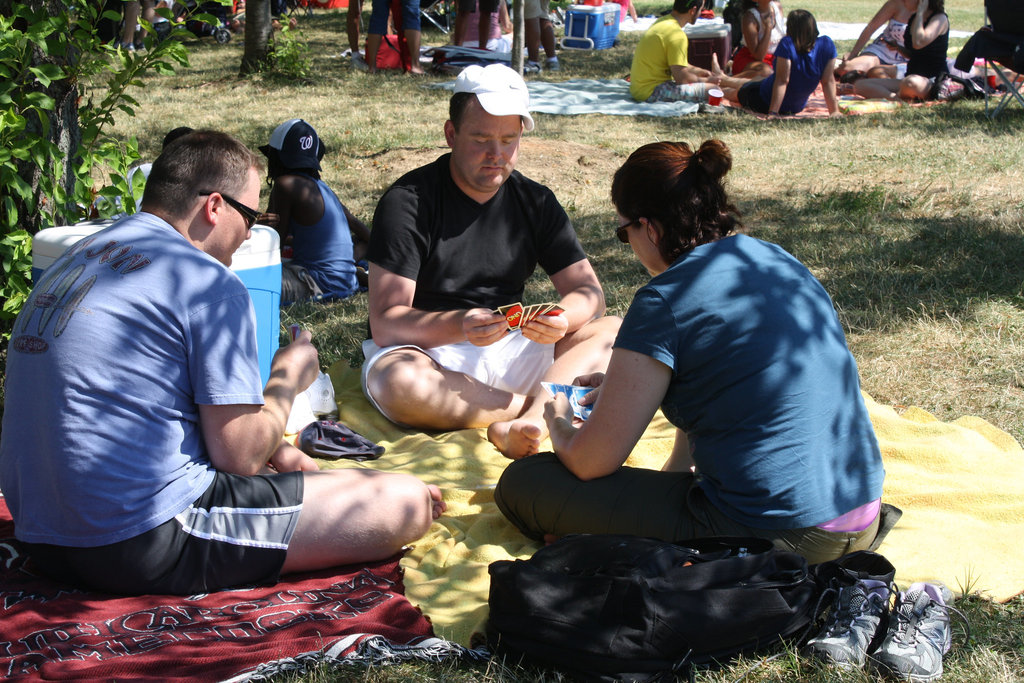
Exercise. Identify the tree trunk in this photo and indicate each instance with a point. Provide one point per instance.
(62, 127)
(518, 34)
(258, 30)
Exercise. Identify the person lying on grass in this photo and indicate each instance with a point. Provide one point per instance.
(884, 56)
(741, 348)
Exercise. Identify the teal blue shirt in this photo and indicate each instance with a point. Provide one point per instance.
(762, 382)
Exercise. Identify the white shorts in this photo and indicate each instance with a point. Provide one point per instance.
(536, 9)
(885, 53)
(513, 364)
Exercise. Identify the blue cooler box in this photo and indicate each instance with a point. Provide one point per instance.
(591, 28)
(257, 263)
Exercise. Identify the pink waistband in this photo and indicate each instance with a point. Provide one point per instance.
(857, 519)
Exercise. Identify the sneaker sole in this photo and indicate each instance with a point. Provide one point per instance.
(916, 678)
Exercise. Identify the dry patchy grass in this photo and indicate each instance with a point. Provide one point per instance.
(911, 220)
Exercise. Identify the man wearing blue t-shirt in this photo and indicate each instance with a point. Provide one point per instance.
(140, 452)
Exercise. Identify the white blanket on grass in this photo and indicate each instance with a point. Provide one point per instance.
(592, 96)
(598, 96)
(832, 29)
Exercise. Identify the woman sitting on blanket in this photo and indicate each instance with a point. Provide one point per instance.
(741, 348)
(926, 41)
(803, 59)
(884, 57)
(763, 29)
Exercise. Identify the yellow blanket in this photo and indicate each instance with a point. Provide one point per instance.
(960, 486)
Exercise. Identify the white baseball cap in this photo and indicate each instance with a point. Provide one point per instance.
(500, 90)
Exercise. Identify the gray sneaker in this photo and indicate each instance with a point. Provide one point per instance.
(551, 64)
(855, 625)
(919, 634)
(359, 63)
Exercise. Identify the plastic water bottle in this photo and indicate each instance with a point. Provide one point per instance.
(301, 414)
(321, 396)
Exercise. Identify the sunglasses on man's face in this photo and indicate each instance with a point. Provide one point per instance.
(249, 214)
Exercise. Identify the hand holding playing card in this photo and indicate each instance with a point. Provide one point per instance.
(558, 407)
(592, 381)
(483, 327)
(574, 393)
(546, 328)
(518, 316)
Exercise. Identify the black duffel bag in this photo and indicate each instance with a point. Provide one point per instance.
(617, 607)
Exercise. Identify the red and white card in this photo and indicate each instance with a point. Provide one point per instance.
(516, 314)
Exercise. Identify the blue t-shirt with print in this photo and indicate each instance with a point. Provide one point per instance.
(121, 340)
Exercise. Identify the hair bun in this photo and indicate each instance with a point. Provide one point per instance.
(714, 158)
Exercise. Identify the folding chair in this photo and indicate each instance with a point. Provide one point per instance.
(438, 13)
(1001, 44)
(300, 7)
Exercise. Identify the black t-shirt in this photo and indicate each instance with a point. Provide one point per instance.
(468, 255)
(928, 61)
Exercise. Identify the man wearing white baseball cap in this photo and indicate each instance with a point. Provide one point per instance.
(452, 242)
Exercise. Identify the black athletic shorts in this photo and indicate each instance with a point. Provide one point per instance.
(236, 533)
(749, 96)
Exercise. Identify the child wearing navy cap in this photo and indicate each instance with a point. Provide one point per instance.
(325, 239)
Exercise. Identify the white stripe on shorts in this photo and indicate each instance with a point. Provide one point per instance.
(251, 527)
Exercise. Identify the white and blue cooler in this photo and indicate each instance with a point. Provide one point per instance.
(590, 27)
(257, 263)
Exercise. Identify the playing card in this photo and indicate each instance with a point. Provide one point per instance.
(554, 310)
(513, 315)
(574, 394)
(542, 309)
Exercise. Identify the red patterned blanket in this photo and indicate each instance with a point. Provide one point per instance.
(49, 631)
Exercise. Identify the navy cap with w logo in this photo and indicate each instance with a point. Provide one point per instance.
(296, 145)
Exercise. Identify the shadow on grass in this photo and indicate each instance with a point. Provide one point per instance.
(875, 259)
(881, 263)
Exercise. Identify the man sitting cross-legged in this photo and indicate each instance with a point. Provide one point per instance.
(143, 453)
(451, 242)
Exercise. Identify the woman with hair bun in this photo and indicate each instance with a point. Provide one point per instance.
(741, 348)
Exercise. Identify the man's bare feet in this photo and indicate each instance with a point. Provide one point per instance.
(515, 438)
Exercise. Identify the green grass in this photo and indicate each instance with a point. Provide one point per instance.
(912, 220)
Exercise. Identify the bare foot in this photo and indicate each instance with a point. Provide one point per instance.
(550, 538)
(716, 70)
(515, 438)
(438, 505)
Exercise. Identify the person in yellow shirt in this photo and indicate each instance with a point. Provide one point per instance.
(660, 70)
